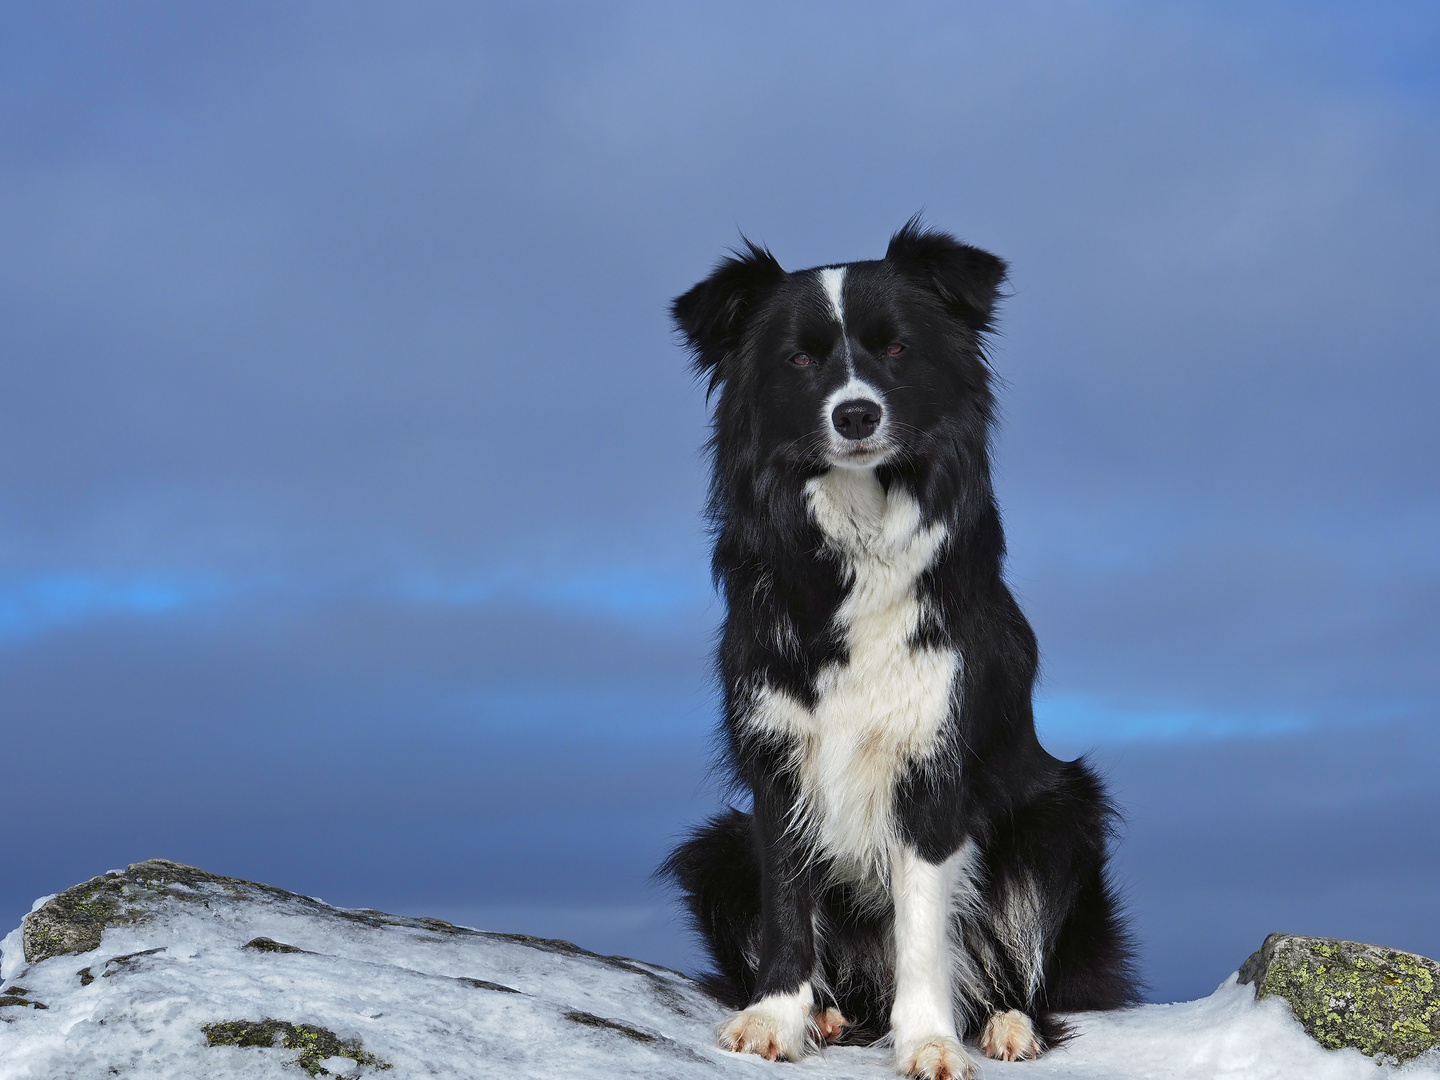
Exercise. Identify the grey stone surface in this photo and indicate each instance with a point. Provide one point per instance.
(74, 920)
(1383, 1002)
(166, 972)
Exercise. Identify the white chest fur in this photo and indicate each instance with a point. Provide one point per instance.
(883, 708)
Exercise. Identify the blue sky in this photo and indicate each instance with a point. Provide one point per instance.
(350, 475)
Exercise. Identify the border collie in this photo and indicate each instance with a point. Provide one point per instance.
(913, 858)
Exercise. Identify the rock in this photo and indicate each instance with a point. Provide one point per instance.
(167, 972)
(318, 1046)
(73, 921)
(1383, 1002)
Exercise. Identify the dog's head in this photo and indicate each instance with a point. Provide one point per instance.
(859, 365)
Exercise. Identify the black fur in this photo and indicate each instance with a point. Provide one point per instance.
(754, 887)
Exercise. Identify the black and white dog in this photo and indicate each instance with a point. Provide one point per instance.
(913, 854)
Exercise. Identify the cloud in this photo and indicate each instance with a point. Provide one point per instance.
(1075, 721)
(339, 411)
(623, 592)
(36, 605)
(49, 603)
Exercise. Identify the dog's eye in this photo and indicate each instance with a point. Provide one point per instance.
(894, 349)
(801, 359)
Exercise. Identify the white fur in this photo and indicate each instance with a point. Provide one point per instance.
(921, 892)
(1021, 925)
(965, 906)
(884, 708)
(1009, 1036)
(776, 1026)
(829, 1024)
(832, 280)
(877, 714)
(923, 1017)
(850, 453)
(853, 390)
(856, 453)
(936, 1059)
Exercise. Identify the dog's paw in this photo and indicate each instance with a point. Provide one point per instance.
(1010, 1036)
(774, 1027)
(830, 1024)
(940, 1058)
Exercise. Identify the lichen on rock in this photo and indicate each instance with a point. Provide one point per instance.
(73, 921)
(18, 995)
(1384, 1002)
(315, 1044)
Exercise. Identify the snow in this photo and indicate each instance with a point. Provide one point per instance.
(428, 998)
(12, 955)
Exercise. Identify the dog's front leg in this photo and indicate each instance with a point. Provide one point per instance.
(777, 1022)
(923, 1018)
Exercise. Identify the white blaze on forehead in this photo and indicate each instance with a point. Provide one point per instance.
(832, 280)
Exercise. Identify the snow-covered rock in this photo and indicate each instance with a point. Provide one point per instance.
(165, 971)
(1381, 1001)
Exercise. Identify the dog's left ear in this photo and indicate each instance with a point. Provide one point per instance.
(713, 314)
(967, 278)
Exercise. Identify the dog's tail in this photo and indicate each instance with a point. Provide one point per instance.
(718, 875)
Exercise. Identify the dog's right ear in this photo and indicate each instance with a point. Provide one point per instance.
(713, 314)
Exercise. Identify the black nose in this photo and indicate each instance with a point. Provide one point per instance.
(857, 419)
